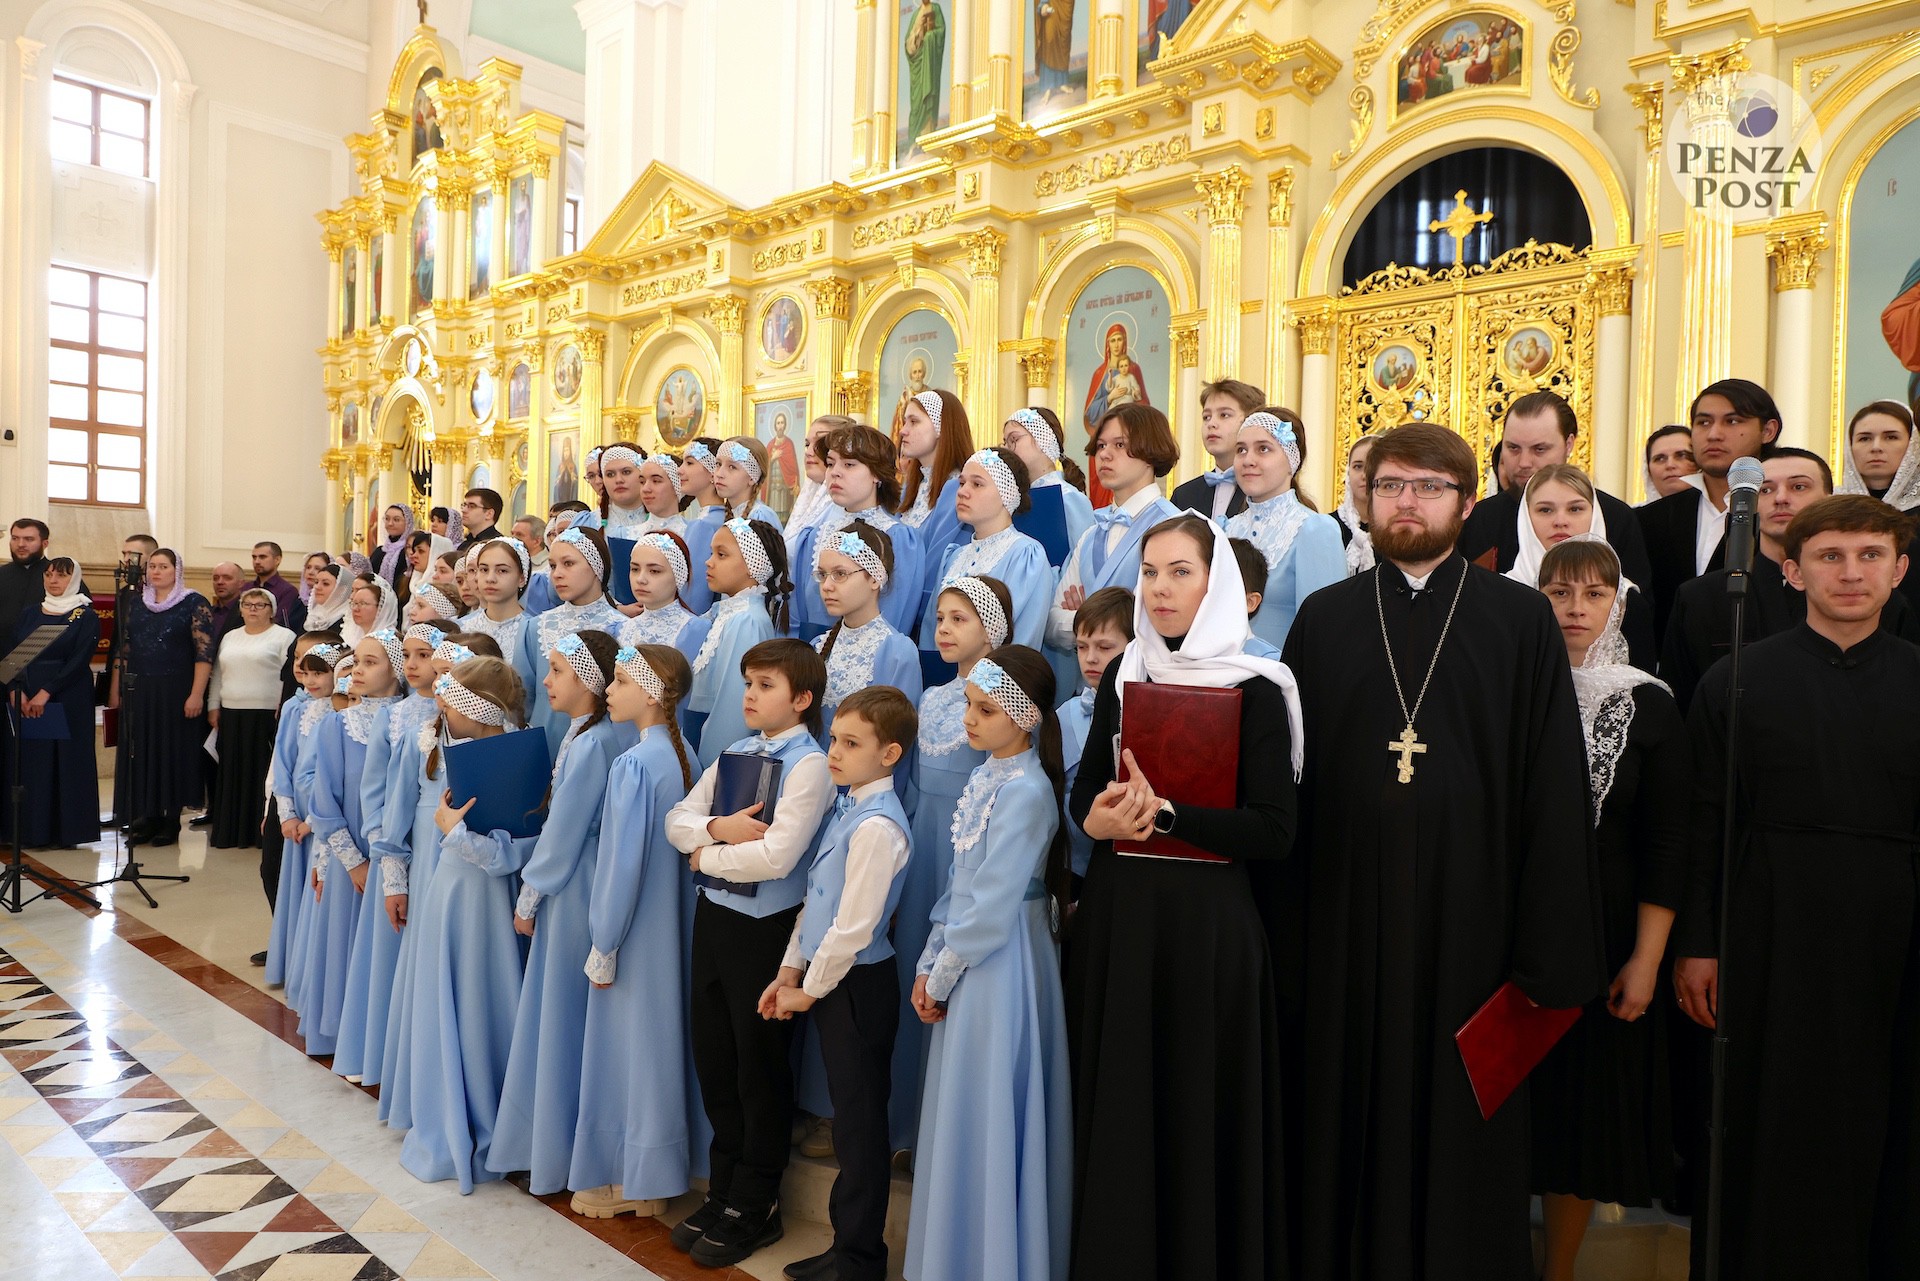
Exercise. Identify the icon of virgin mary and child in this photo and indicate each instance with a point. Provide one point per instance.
(1117, 382)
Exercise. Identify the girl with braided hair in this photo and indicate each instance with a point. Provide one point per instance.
(747, 571)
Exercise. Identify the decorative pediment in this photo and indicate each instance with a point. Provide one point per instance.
(662, 205)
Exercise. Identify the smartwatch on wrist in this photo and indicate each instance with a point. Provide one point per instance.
(1163, 819)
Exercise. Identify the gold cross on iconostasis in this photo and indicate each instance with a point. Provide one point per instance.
(1460, 223)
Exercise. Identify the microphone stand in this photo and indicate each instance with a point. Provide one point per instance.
(1738, 579)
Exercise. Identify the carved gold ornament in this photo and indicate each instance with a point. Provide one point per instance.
(1360, 101)
(1560, 53)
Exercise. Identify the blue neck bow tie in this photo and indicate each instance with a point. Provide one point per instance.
(758, 745)
(843, 804)
(1108, 517)
(1215, 479)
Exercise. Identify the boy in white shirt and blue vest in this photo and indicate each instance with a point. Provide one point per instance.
(839, 965)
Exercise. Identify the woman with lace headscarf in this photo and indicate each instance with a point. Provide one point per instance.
(1601, 1126)
(371, 606)
(1353, 530)
(332, 593)
(1883, 455)
(390, 557)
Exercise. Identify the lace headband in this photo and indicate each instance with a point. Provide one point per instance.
(469, 704)
(343, 683)
(741, 455)
(425, 633)
(997, 471)
(329, 653)
(855, 549)
(985, 604)
(699, 453)
(396, 657)
(619, 454)
(759, 564)
(992, 680)
(437, 600)
(451, 652)
(666, 465)
(526, 561)
(584, 545)
(930, 401)
(676, 559)
(640, 672)
(1038, 429)
(581, 660)
(593, 455)
(1280, 430)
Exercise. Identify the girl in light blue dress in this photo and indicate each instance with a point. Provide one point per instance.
(291, 778)
(741, 479)
(578, 563)
(971, 619)
(861, 484)
(457, 1013)
(851, 569)
(935, 439)
(540, 1102)
(1302, 546)
(747, 570)
(626, 512)
(339, 859)
(658, 574)
(641, 1135)
(699, 464)
(500, 570)
(993, 489)
(1033, 433)
(993, 1167)
(338, 661)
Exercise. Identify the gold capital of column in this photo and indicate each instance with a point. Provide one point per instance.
(626, 423)
(1186, 346)
(592, 343)
(855, 389)
(1651, 99)
(1036, 359)
(1795, 245)
(1225, 193)
(832, 299)
(983, 251)
(1711, 74)
(728, 312)
(1612, 286)
(1316, 330)
(1280, 197)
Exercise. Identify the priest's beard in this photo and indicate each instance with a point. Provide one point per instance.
(1413, 546)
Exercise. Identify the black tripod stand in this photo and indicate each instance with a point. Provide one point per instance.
(130, 872)
(13, 876)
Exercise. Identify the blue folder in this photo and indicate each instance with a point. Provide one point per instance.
(509, 773)
(1045, 521)
(741, 781)
(50, 725)
(621, 586)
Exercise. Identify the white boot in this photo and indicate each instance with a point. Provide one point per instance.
(609, 1201)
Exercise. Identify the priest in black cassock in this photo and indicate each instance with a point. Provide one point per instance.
(1447, 849)
(1700, 629)
(1822, 1009)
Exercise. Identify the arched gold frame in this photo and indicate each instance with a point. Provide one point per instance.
(1065, 321)
(1396, 115)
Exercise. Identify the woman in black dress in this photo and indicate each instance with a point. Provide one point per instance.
(61, 784)
(161, 683)
(1601, 1120)
(1170, 990)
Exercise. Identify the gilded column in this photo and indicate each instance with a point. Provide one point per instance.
(1794, 245)
(982, 393)
(883, 94)
(728, 313)
(1036, 366)
(1001, 89)
(1279, 282)
(1706, 320)
(1611, 283)
(865, 73)
(1651, 99)
(593, 389)
(449, 196)
(1315, 323)
(1226, 197)
(336, 245)
(832, 306)
(330, 464)
(1108, 45)
(1194, 458)
(960, 24)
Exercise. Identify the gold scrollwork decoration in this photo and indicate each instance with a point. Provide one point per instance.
(728, 313)
(1612, 289)
(1110, 165)
(1280, 197)
(1186, 346)
(902, 226)
(780, 255)
(1566, 42)
(1316, 330)
(1795, 251)
(647, 291)
(1360, 102)
(832, 299)
(1036, 356)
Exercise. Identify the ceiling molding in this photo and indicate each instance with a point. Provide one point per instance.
(274, 29)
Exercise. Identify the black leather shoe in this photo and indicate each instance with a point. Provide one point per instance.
(258, 958)
(205, 820)
(737, 1236)
(167, 834)
(695, 1225)
(820, 1265)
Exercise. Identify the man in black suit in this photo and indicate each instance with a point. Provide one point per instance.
(1685, 533)
(1223, 405)
(1538, 432)
(480, 512)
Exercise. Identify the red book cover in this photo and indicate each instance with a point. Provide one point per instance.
(1186, 739)
(1506, 1039)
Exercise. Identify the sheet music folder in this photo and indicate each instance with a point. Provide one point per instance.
(743, 780)
(509, 773)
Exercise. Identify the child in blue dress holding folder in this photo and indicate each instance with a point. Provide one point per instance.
(747, 570)
(852, 568)
(993, 1169)
(640, 1135)
(540, 1103)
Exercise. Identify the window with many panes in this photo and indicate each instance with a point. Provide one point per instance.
(96, 388)
(96, 126)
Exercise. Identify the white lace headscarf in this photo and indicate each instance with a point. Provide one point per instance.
(1360, 546)
(1904, 491)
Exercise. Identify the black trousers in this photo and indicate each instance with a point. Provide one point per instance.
(272, 846)
(856, 1023)
(746, 1081)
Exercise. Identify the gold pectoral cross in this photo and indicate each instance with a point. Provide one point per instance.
(1405, 747)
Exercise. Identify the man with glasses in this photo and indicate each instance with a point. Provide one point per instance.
(1444, 850)
(480, 511)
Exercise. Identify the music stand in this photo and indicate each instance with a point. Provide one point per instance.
(12, 668)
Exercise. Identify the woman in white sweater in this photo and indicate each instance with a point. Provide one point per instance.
(242, 702)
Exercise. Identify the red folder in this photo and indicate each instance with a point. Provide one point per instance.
(1506, 1039)
(1186, 739)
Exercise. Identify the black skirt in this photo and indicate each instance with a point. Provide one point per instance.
(240, 780)
(165, 769)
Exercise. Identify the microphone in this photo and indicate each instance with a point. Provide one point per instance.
(1743, 497)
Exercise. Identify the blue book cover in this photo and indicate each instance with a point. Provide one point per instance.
(1045, 521)
(49, 726)
(743, 780)
(509, 773)
(621, 585)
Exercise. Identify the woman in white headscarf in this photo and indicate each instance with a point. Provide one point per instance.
(1600, 1123)
(332, 593)
(1560, 503)
(1160, 1053)
(1883, 455)
(371, 605)
(390, 557)
(1353, 530)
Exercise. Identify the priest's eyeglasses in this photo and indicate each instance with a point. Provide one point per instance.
(1424, 487)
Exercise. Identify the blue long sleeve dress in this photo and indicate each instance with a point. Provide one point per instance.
(543, 633)
(715, 719)
(292, 892)
(408, 848)
(699, 536)
(993, 1186)
(305, 765)
(939, 528)
(1304, 553)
